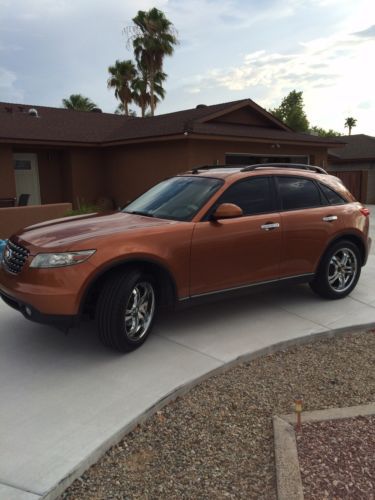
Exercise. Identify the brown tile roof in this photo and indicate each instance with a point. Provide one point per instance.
(358, 147)
(58, 125)
(167, 124)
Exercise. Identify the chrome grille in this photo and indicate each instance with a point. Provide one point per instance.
(14, 257)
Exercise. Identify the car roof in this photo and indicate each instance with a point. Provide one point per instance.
(240, 171)
(237, 172)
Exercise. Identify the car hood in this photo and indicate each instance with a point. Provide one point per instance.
(70, 232)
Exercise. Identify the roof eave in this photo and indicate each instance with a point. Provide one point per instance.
(265, 140)
(47, 142)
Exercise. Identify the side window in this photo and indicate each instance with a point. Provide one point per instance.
(297, 192)
(254, 195)
(331, 195)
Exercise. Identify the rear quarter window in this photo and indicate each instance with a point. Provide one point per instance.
(332, 197)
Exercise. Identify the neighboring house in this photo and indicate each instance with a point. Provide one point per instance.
(58, 155)
(355, 165)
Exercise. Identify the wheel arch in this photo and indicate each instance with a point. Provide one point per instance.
(166, 285)
(353, 238)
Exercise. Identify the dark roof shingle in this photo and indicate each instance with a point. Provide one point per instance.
(358, 147)
(58, 125)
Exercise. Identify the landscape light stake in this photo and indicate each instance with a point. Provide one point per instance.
(298, 409)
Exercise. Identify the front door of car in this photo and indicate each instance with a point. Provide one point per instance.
(231, 253)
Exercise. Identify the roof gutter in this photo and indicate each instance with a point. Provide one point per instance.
(38, 142)
(171, 137)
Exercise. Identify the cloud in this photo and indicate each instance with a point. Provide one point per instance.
(367, 33)
(318, 63)
(8, 89)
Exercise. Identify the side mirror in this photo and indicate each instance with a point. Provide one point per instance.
(227, 211)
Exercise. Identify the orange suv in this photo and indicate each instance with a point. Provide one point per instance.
(212, 230)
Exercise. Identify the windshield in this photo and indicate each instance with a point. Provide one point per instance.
(178, 198)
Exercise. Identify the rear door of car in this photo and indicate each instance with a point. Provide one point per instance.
(308, 221)
(232, 253)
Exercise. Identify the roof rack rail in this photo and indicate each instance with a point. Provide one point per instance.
(195, 170)
(297, 166)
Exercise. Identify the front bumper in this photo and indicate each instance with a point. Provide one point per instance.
(29, 312)
(50, 292)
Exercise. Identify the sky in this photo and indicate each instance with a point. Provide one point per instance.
(228, 50)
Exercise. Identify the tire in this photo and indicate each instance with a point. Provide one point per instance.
(126, 310)
(338, 272)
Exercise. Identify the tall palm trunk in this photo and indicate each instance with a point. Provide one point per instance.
(152, 91)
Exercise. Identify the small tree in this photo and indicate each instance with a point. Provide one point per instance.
(321, 132)
(350, 123)
(78, 102)
(291, 112)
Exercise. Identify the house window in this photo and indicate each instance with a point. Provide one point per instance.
(22, 165)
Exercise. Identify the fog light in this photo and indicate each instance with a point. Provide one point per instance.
(28, 311)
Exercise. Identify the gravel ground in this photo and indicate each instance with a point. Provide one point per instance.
(337, 459)
(217, 441)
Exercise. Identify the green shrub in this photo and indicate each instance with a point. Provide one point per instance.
(84, 209)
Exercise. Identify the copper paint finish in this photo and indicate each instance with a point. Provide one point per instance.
(201, 256)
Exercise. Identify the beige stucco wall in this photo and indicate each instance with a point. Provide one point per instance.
(13, 219)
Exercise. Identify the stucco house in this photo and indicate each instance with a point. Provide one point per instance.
(58, 155)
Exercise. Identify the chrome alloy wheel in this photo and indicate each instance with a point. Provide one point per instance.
(139, 310)
(342, 270)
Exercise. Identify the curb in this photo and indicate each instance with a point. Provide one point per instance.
(288, 476)
(182, 390)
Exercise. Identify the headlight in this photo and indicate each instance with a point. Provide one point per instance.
(43, 260)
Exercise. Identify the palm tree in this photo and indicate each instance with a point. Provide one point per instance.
(121, 77)
(350, 122)
(154, 39)
(78, 102)
(141, 94)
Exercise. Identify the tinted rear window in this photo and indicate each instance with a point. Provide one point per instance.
(331, 195)
(297, 192)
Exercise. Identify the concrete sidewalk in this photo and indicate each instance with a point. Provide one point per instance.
(65, 399)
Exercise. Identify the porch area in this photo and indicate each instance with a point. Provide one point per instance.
(34, 176)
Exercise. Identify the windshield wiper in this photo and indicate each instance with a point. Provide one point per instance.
(139, 212)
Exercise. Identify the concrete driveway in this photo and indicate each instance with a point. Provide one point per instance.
(65, 399)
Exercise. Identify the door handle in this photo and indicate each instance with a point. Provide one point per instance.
(330, 218)
(269, 226)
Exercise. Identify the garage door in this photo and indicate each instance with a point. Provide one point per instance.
(249, 159)
(355, 181)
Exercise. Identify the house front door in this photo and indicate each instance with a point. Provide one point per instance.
(27, 176)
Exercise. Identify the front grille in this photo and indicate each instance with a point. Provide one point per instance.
(14, 257)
